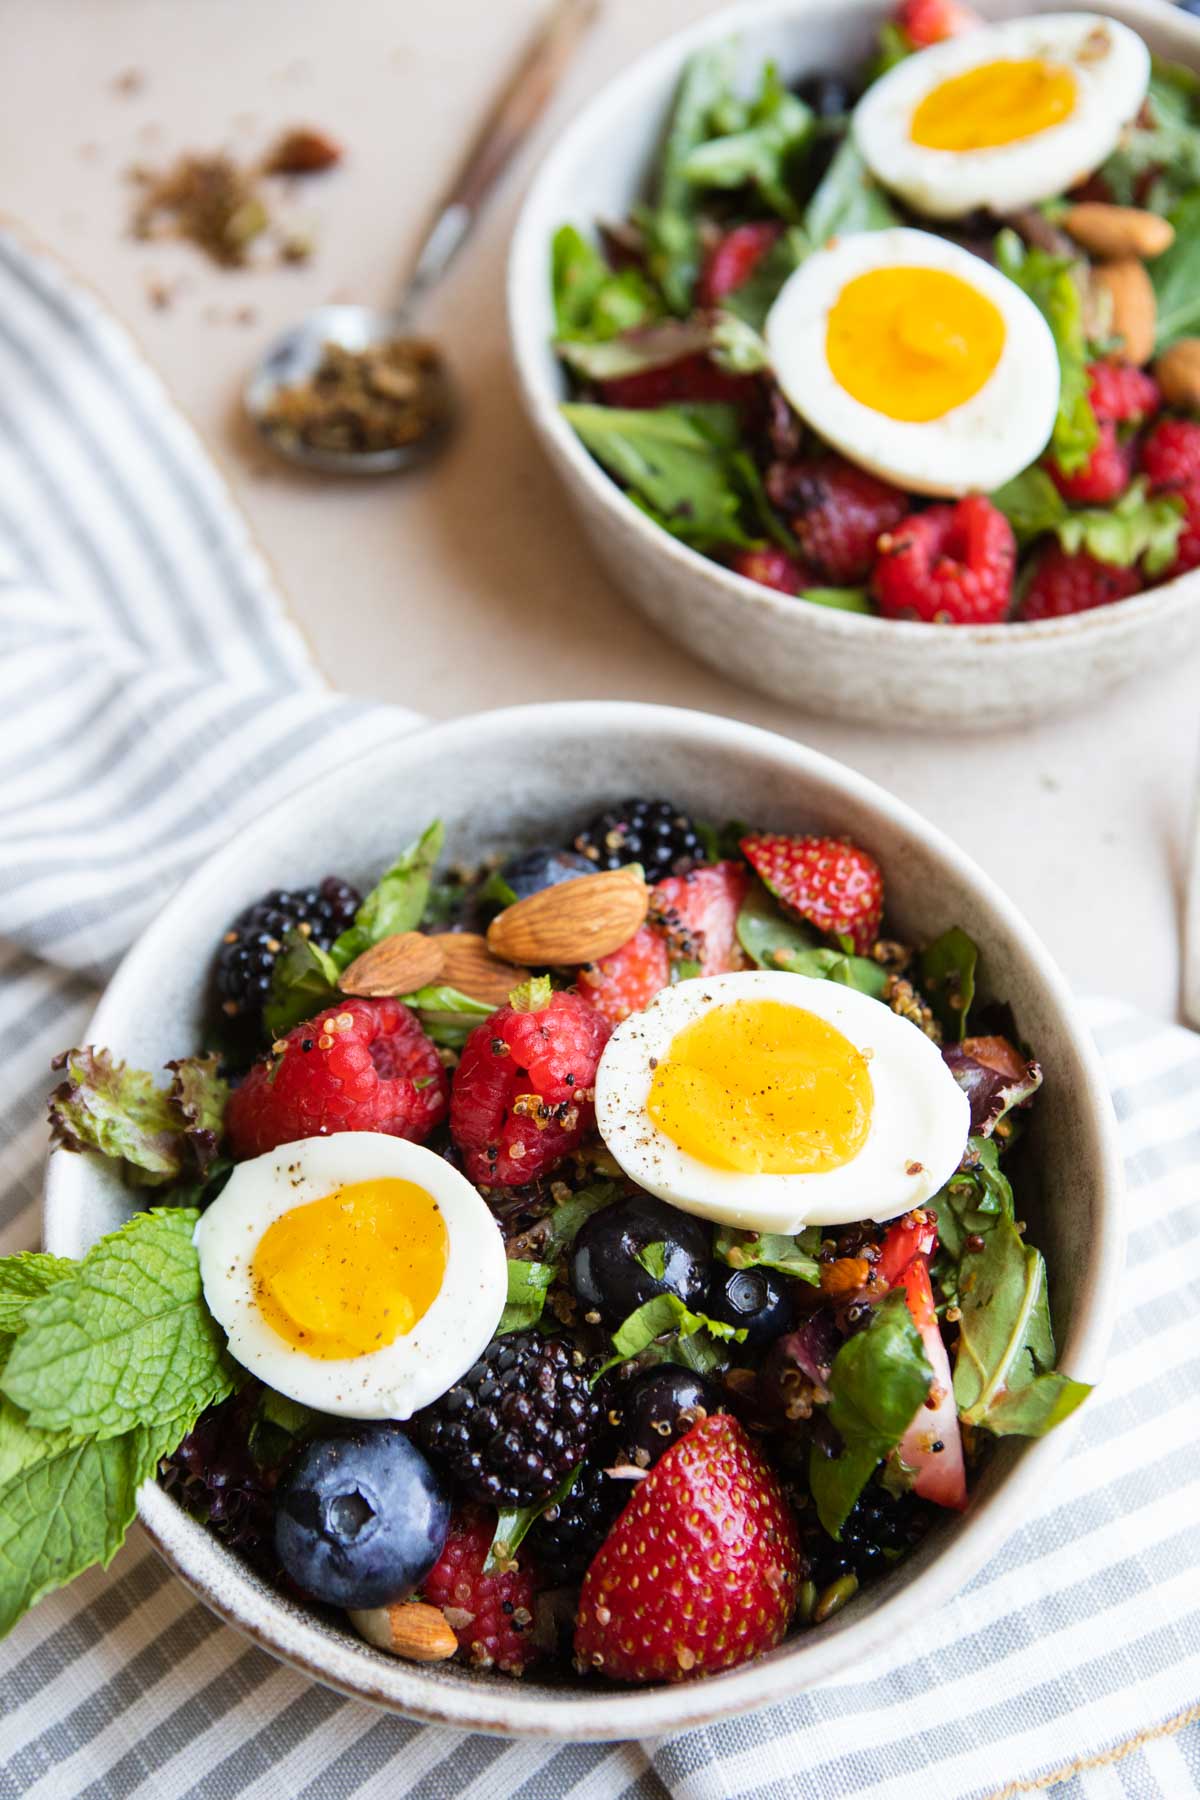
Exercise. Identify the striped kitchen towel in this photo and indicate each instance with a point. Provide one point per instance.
(153, 695)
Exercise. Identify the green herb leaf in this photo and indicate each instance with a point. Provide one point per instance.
(24, 1278)
(667, 1312)
(304, 981)
(1051, 283)
(513, 1522)
(591, 301)
(1176, 276)
(855, 600)
(671, 224)
(790, 1255)
(1158, 159)
(570, 1214)
(653, 1258)
(127, 1340)
(847, 199)
(448, 1016)
(1031, 503)
(879, 1379)
(774, 942)
(156, 1134)
(528, 1285)
(762, 153)
(893, 46)
(948, 967)
(669, 459)
(1136, 528)
(397, 902)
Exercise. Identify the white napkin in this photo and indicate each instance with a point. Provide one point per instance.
(152, 697)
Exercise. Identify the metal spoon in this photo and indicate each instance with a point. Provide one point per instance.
(295, 357)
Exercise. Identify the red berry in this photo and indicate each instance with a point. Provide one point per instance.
(1187, 550)
(830, 882)
(1122, 392)
(698, 913)
(1064, 583)
(733, 259)
(1171, 453)
(692, 378)
(949, 565)
(1106, 473)
(522, 1094)
(701, 1570)
(926, 22)
(837, 512)
(626, 981)
(774, 569)
(365, 1065)
(491, 1615)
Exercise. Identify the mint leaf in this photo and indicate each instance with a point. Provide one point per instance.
(155, 1134)
(593, 302)
(667, 1312)
(790, 1255)
(1176, 275)
(947, 969)
(1136, 528)
(847, 199)
(528, 1285)
(669, 459)
(397, 902)
(24, 1278)
(653, 1258)
(671, 224)
(570, 1214)
(304, 981)
(879, 1379)
(1050, 282)
(127, 1340)
(761, 153)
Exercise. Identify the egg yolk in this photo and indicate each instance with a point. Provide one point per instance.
(996, 103)
(350, 1273)
(763, 1088)
(912, 343)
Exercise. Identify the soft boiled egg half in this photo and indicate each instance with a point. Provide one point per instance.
(917, 360)
(356, 1273)
(773, 1101)
(1003, 116)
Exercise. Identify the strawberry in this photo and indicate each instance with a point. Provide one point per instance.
(774, 568)
(693, 918)
(926, 22)
(829, 881)
(932, 1445)
(733, 259)
(701, 1570)
(628, 979)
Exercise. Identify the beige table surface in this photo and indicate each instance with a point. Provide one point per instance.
(469, 586)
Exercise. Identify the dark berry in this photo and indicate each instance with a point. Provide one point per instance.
(566, 1537)
(246, 959)
(360, 1519)
(828, 94)
(654, 833)
(215, 1477)
(545, 867)
(659, 1407)
(607, 1276)
(519, 1420)
(757, 1300)
(880, 1528)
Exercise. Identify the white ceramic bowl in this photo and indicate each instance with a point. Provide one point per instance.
(512, 779)
(841, 664)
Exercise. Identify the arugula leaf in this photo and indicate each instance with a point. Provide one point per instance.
(397, 902)
(667, 1312)
(1050, 282)
(24, 1278)
(754, 299)
(1138, 527)
(668, 457)
(761, 152)
(126, 1340)
(303, 982)
(671, 224)
(1176, 276)
(528, 1285)
(155, 1134)
(593, 302)
(948, 967)
(847, 199)
(448, 1016)
(774, 942)
(878, 1380)
(790, 1255)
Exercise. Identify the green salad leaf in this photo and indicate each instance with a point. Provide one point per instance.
(1139, 527)
(513, 1523)
(570, 1214)
(667, 1312)
(948, 968)
(1176, 275)
(593, 302)
(1051, 283)
(793, 1255)
(303, 982)
(24, 1278)
(528, 1285)
(855, 600)
(754, 299)
(1031, 503)
(1158, 158)
(848, 198)
(671, 223)
(761, 151)
(733, 345)
(675, 462)
(448, 1016)
(157, 1135)
(878, 1380)
(773, 942)
(397, 902)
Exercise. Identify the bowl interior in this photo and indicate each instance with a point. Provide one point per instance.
(510, 780)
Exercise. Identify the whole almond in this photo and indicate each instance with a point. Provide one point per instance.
(1177, 372)
(396, 965)
(469, 966)
(1111, 232)
(1133, 308)
(575, 922)
(410, 1629)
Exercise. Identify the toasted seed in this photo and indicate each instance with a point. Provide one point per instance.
(573, 923)
(396, 965)
(835, 1597)
(410, 1629)
(1118, 231)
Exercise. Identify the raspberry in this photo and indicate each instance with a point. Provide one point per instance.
(948, 565)
(1122, 392)
(246, 960)
(365, 1065)
(837, 513)
(491, 1615)
(691, 378)
(1106, 473)
(926, 22)
(654, 833)
(774, 569)
(1187, 551)
(522, 1096)
(1063, 584)
(733, 259)
(518, 1421)
(1171, 453)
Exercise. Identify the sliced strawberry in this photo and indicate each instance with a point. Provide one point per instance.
(701, 1570)
(734, 258)
(692, 378)
(926, 22)
(698, 915)
(829, 881)
(914, 1234)
(628, 980)
(933, 1442)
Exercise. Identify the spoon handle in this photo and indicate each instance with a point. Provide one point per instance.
(501, 134)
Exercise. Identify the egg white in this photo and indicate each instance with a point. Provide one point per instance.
(418, 1366)
(973, 448)
(919, 1122)
(1111, 66)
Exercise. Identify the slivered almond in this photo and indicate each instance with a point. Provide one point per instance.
(396, 965)
(575, 922)
(469, 966)
(410, 1629)
(1134, 310)
(1114, 231)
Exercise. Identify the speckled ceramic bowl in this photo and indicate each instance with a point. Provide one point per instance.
(512, 779)
(885, 672)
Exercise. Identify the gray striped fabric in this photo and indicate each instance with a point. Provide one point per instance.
(152, 695)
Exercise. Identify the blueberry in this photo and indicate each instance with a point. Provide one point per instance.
(360, 1519)
(607, 1277)
(829, 95)
(545, 867)
(757, 1299)
(659, 1407)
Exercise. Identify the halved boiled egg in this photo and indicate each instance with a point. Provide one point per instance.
(356, 1273)
(1003, 116)
(772, 1101)
(917, 360)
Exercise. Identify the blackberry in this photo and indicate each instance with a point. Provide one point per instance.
(519, 1420)
(654, 833)
(880, 1528)
(566, 1537)
(246, 958)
